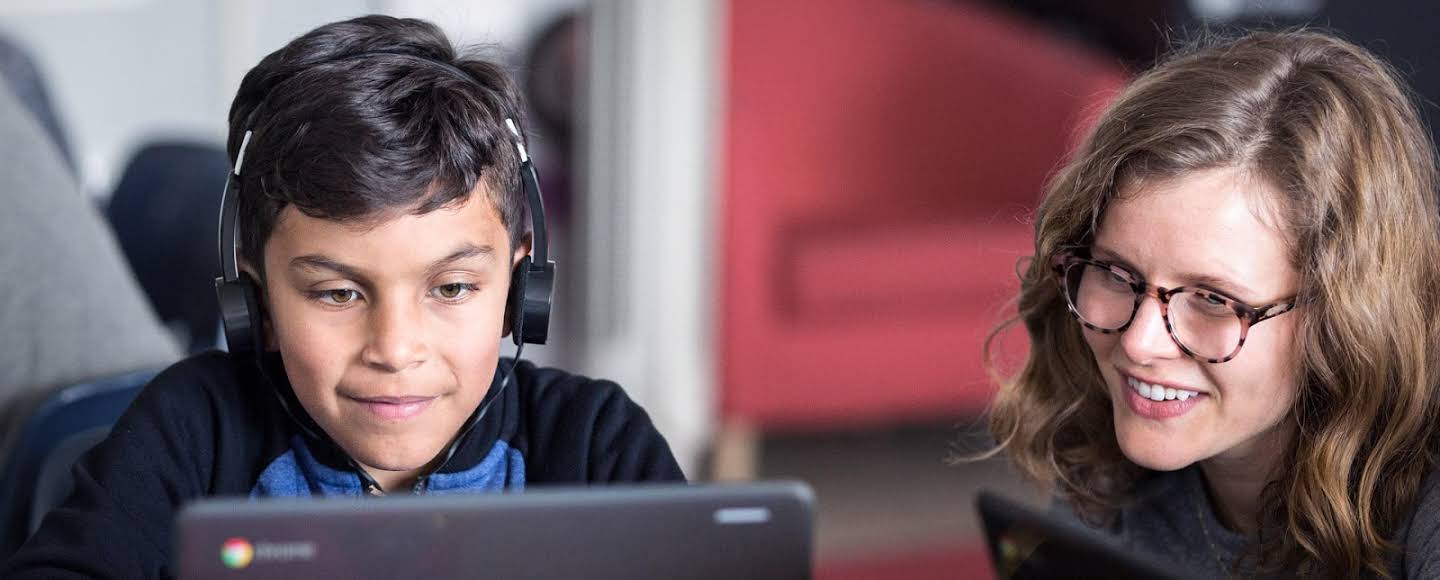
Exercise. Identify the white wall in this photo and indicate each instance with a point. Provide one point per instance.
(119, 71)
(507, 22)
(123, 71)
(648, 209)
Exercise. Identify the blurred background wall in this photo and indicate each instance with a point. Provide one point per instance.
(124, 71)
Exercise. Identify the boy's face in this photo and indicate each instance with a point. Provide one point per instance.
(390, 332)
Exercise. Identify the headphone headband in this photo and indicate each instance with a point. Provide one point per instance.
(230, 220)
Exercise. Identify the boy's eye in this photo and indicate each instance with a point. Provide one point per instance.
(338, 296)
(453, 291)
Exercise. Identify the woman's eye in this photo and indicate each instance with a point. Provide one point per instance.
(1215, 305)
(1116, 278)
(453, 291)
(338, 297)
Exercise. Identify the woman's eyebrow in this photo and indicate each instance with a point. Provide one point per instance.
(1226, 285)
(1108, 255)
(1221, 283)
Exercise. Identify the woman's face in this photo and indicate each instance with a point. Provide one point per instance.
(1198, 230)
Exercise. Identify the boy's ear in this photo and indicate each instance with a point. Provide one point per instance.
(517, 291)
(267, 330)
(522, 249)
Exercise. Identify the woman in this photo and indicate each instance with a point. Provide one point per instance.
(1233, 317)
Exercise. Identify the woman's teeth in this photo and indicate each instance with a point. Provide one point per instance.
(1158, 393)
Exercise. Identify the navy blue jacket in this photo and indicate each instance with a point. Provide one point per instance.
(208, 426)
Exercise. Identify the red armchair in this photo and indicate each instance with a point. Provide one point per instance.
(882, 158)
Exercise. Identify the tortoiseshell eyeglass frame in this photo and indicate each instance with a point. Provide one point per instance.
(1062, 261)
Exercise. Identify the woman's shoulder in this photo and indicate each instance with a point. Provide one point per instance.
(1426, 510)
(1419, 535)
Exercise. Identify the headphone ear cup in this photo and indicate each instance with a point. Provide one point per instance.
(240, 313)
(515, 301)
(538, 289)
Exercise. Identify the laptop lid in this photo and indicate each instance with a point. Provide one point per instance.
(1026, 544)
(759, 530)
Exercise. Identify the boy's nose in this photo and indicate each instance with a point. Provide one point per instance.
(396, 340)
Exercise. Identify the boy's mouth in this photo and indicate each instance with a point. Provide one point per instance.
(394, 408)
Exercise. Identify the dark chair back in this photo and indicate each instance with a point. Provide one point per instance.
(165, 213)
(35, 476)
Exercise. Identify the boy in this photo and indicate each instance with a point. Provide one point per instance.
(381, 212)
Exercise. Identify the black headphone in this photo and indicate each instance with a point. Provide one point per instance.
(527, 309)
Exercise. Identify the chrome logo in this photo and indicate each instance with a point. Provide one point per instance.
(237, 553)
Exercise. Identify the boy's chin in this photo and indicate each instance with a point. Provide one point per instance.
(409, 460)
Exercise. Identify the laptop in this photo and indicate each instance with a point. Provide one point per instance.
(756, 530)
(1026, 544)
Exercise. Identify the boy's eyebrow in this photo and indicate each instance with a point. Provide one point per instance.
(323, 262)
(466, 250)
